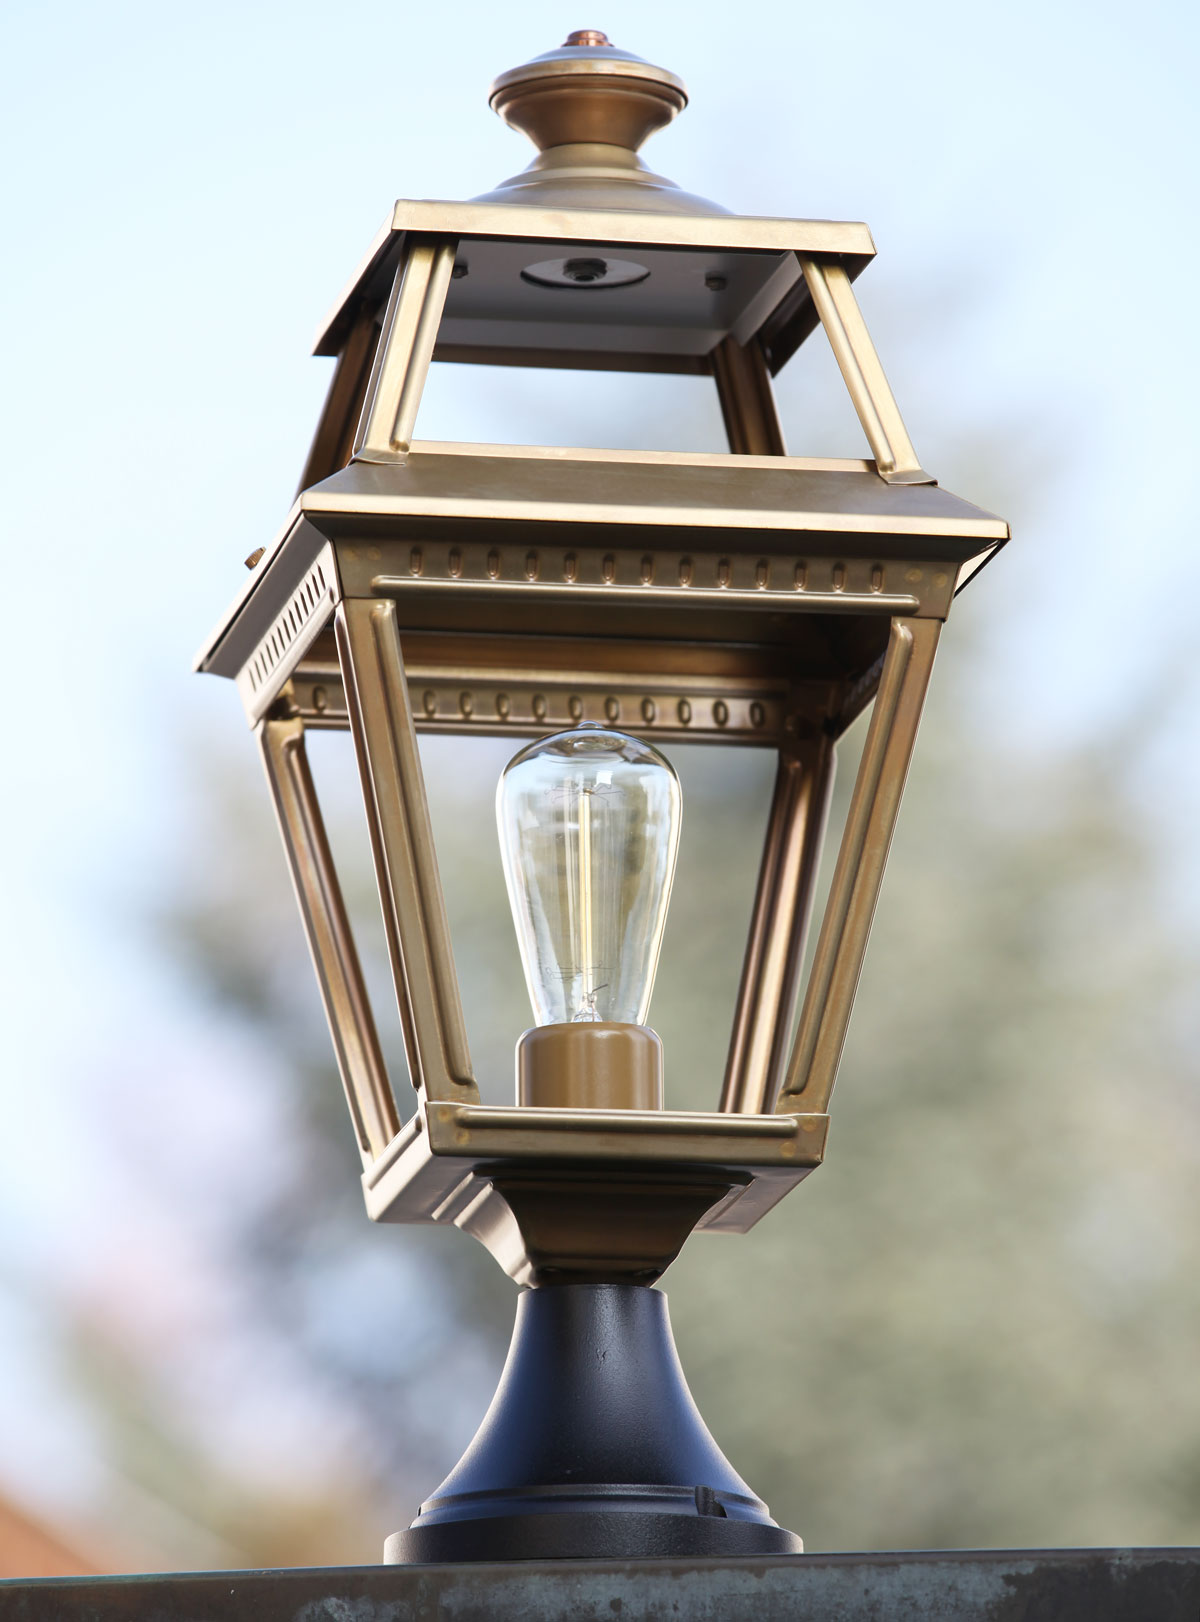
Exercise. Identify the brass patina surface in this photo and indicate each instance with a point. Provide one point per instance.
(750, 599)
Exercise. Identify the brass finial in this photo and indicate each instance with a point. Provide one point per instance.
(588, 106)
(588, 92)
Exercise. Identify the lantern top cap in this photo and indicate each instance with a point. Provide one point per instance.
(588, 106)
(588, 91)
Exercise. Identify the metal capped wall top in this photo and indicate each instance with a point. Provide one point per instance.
(588, 107)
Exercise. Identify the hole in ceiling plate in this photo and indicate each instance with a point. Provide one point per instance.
(590, 271)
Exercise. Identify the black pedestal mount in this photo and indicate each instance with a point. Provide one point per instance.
(592, 1449)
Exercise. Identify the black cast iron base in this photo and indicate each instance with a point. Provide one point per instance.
(592, 1449)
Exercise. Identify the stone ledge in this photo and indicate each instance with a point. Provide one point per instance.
(1055, 1585)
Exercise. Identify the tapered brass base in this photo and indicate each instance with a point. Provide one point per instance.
(595, 1064)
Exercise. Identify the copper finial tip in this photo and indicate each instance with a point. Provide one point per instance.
(587, 36)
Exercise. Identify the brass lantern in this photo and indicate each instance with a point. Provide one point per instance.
(753, 598)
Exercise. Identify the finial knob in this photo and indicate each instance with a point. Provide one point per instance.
(588, 91)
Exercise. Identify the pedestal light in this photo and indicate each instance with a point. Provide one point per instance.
(604, 605)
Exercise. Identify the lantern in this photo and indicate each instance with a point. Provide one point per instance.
(599, 607)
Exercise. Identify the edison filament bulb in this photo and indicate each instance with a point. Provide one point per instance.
(589, 830)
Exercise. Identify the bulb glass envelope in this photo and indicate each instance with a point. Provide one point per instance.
(749, 599)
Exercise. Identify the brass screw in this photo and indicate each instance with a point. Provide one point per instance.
(255, 558)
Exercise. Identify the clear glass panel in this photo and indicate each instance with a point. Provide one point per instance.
(589, 830)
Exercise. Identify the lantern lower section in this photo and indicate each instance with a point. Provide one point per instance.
(592, 1449)
(560, 1195)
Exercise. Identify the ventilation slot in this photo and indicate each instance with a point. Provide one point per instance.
(290, 622)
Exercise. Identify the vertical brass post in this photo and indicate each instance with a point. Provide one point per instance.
(778, 929)
(334, 438)
(410, 888)
(833, 297)
(404, 352)
(870, 823)
(339, 975)
(792, 847)
(752, 424)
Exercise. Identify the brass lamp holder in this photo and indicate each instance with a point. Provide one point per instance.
(754, 599)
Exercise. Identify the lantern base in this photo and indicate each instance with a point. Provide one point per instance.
(593, 1448)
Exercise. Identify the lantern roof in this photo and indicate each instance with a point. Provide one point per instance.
(563, 528)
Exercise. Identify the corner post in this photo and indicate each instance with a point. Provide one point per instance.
(414, 911)
(833, 298)
(870, 823)
(330, 939)
(404, 352)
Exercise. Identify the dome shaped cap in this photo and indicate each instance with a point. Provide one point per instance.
(588, 91)
(588, 107)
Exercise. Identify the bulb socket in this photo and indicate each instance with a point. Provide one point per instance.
(590, 1065)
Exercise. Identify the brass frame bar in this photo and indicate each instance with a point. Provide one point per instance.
(752, 423)
(831, 293)
(774, 955)
(334, 438)
(762, 1022)
(330, 939)
(404, 352)
(414, 910)
(771, 602)
(870, 823)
